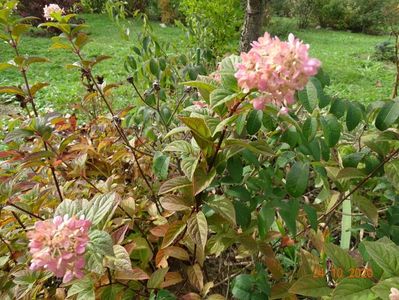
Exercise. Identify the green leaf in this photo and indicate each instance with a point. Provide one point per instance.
(385, 255)
(338, 108)
(121, 261)
(312, 216)
(353, 115)
(350, 173)
(160, 165)
(257, 147)
(221, 96)
(132, 62)
(157, 278)
(265, 219)
(205, 88)
(5, 66)
(388, 115)
(69, 207)
(340, 257)
(111, 292)
(83, 288)
(290, 136)
(289, 212)
(235, 168)
(174, 184)
(383, 288)
(331, 129)
(367, 207)
(354, 289)
(99, 207)
(309, 128)
(197, 228)
(224, 123)
(245, 287)
(229, 63)
(154, 67)
(392, 172)
(308, 97)
(161, 295)
(227, 70)
(94, 261)
(310, 286)
(188, 166)
(297, 179)
(101, 242)
(225, 208)
(243, 214)
(180, 147)
(200, 130)
(202, 179)
(254, 121)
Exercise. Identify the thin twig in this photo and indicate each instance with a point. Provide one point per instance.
(19, 220)
(31, 100)
(25, 211)
(229, 277)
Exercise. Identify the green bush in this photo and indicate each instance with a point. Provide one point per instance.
(366, 16)
(96, 6)
(213, 24)
(281, 8)
(304, 11)
(385, 51)
(331, 14)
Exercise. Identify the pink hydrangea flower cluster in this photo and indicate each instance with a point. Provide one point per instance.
(394, 295)
(48, 10)
(58, 245)
(276, 69)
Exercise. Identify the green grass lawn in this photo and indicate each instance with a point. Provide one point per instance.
(346, 57)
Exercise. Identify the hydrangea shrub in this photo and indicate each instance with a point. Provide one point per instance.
(249, 182)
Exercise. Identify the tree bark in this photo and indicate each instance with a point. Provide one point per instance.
(253, 23)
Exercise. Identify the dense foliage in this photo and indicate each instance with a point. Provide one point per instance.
(355, 15)
(249, 182)
(213, 24)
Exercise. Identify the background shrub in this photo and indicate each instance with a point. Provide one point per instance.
(331, 14)
(385, 51)
(367, 16)
(94, 6)
(304, 11)
(281, 8)
(169, 10)
(213, 24)
(35, 8)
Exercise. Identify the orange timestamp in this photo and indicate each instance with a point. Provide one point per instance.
(360, 272)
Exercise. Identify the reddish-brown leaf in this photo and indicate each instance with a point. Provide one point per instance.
(171, 278)
(134, 274)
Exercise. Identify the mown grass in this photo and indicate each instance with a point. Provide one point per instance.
(346, 57)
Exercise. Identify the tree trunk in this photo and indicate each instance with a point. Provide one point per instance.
(253, 23)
